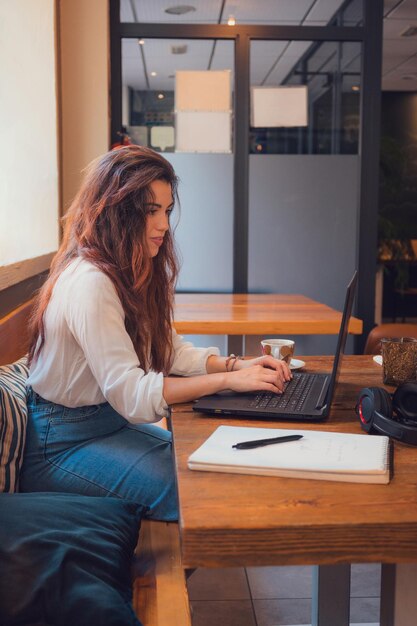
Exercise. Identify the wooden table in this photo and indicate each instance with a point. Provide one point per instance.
(229, 520)
(237, 315)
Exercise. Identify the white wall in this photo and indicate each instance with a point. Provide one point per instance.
(303, 220)
(204, 234)
(28, 130)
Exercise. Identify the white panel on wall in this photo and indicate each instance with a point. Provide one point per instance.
(203, 91)
(208, 131)
(203, 111)
(273, 107)
(162, 137)
(28, 131)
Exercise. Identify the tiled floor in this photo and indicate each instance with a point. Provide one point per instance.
(273, 596)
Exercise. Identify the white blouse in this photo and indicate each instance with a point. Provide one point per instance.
(88, 357)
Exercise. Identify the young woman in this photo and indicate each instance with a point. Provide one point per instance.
(103, 347)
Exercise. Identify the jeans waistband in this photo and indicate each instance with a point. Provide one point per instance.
(34, 397)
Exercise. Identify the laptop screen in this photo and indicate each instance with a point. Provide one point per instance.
(343, 332)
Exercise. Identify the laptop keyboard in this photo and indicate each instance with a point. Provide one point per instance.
(293, 397)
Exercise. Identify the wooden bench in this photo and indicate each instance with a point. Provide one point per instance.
(160, 595)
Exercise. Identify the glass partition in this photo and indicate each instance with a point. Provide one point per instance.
(280, 203)
(172, 86)
(303, 179)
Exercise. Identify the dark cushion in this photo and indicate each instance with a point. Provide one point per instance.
(13, 417)
(66, 559)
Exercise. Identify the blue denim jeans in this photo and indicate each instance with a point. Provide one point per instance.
(93, 450)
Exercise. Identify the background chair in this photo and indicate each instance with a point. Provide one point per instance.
(373, 342)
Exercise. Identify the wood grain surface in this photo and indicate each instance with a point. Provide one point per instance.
(255, 314)
(159, 585)
(229, 520)
(16, 272)
(13, 333)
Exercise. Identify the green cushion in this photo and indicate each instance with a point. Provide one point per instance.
(66, 559)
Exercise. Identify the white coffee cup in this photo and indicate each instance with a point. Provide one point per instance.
(282, 349)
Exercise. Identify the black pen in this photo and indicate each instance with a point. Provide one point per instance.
(258, 443)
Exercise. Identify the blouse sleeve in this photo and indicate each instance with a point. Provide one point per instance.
(188, 360)
(95, 317)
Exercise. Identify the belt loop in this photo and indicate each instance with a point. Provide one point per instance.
(28, 393)
(32, 396)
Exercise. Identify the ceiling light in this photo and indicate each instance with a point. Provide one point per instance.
(355, 87)
(179, 49)
(141, 42)
(154, 74)
(410, 31)
(180, 9)
(161, 96)
(231, 21)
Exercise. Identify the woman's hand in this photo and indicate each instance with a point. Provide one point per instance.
(262, 373)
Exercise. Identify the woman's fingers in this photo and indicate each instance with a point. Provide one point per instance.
(268, 362)
(268, 376)
(278, 365)
(261, 377)
(273, 377)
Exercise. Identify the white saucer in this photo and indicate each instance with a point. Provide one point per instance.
(378, 359)
(296, 364)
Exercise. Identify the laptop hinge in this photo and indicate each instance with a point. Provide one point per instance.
(321, 400)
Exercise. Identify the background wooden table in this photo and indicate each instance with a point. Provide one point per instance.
(255, 314)
(239, 315)
(230, 520)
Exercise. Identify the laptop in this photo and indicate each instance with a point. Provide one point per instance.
(306, 397)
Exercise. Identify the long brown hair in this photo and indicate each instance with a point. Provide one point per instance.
(105, 225)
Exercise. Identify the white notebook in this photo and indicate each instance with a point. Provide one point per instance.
(321, 455)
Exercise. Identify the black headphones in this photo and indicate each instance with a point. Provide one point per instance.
(396, 417)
